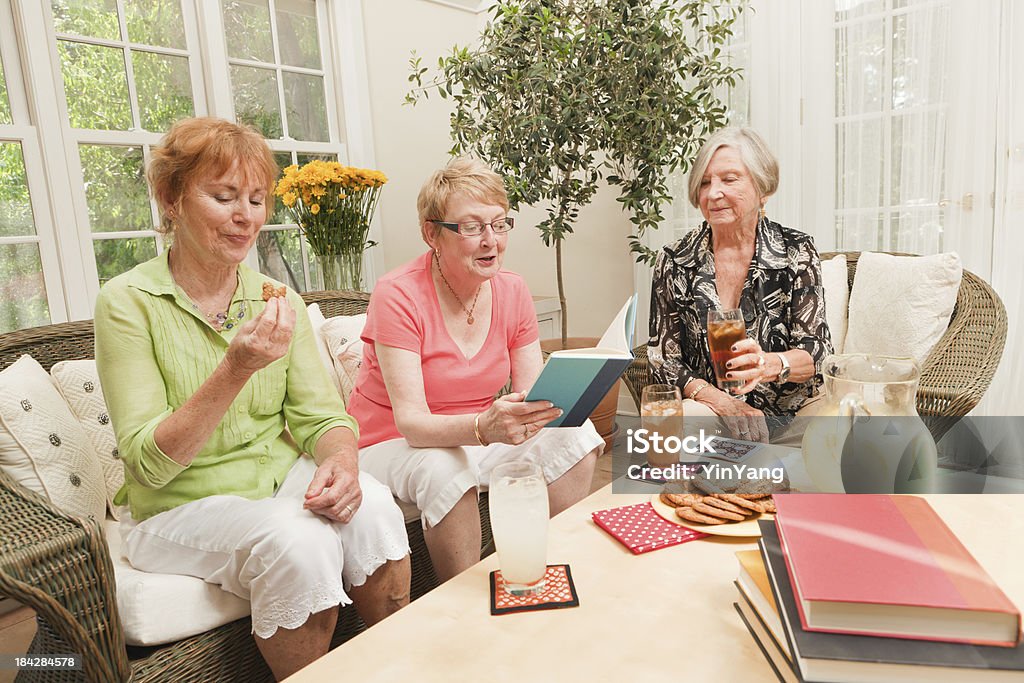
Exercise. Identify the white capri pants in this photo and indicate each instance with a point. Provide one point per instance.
(288, 562)
(434, 479)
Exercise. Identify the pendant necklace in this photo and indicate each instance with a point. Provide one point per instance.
(469, 311)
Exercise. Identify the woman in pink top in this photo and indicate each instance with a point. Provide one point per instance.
(444, 333)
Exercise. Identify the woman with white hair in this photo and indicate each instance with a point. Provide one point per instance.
(740, 259)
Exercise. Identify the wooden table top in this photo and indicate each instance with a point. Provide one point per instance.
(666, 613)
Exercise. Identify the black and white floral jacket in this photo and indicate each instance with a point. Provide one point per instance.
(782, 301)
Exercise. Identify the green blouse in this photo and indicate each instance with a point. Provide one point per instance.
(154, 350)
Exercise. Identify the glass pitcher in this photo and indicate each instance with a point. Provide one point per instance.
(867, 436)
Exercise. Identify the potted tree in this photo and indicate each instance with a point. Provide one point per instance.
(559, 95)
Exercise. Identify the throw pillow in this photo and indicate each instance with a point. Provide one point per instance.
(342, 334)
(837, 298)
(42, 446)
(317, 320)
(79, 384)
(900, 305)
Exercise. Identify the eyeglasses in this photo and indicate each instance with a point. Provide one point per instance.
(474, 228)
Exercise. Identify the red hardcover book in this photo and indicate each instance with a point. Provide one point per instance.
(641, 529)
(888, 566)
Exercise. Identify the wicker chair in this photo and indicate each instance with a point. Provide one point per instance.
(956, 373)
(60, 566)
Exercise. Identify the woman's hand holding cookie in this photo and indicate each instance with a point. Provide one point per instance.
(262, 340)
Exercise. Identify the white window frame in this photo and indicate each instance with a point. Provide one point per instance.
(50, 145)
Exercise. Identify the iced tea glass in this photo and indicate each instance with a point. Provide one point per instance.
(661, 413)
(518, 501)
(725, 328)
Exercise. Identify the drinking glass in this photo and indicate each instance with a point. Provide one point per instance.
(725, 328)
(661, 414)
(518, 499)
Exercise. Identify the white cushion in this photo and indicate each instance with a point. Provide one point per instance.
(162, 608)
(42, 445)
(317, 320)
(342, 334)
(79, 384)
(837, 298)
(900, 305)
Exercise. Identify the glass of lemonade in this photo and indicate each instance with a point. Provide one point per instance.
(661, 413)
(725, 328)
(518, 500)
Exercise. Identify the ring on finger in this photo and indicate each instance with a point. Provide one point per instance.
(348, 508)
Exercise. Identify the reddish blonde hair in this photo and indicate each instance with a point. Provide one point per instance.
(206, 147)
(463, 176)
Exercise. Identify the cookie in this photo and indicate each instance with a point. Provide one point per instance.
(723, 504)
(680, 499)
(712, 511)
(769, 506)
(752, 496)
(739, 501)
(270, 291)
(691, 516)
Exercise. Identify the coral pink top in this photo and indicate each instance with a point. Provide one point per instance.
(405, 313)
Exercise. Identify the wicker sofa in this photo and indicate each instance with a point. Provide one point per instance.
(59, 564)
(956, 373)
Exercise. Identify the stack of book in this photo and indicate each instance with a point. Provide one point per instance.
(853, 589)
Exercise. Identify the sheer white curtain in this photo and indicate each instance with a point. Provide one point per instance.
(1005, 396)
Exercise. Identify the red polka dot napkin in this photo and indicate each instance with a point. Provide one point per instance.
(559, 591)
(641, 529)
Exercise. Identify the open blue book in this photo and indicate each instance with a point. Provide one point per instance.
(576, 380)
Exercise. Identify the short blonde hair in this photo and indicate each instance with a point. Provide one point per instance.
(759, 160)
(461, 176)
(205, 147)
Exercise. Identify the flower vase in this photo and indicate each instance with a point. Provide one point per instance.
(342, 271)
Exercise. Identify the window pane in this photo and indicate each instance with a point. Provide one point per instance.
(114, 257)
(281, 257)
(918, 161)
(95, 86)
(256, 101)
(297, 37)
(95, 18)
(307, 107)
(281, 214)
(917, 230)
(860, 68)
(22, 294)
(304, 159)
(164, 88)
(155, 22)
(115, 188)
(15, 207)
(5, 104)
(859, 232)
(859, 156)
(919, 57)
(247, 28)
(851, 9)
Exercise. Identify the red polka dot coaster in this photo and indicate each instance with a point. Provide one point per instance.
(641, 529)
(559, 591)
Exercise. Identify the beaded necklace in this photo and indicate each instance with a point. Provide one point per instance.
(222, 320)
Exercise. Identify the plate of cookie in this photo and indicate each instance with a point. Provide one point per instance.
(720, 514)
(722, 505)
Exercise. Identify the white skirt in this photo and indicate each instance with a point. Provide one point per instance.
(288, 562)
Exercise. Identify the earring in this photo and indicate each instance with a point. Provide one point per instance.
(761, 215)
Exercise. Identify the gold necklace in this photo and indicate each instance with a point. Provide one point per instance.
(469, 311)
(222, 320)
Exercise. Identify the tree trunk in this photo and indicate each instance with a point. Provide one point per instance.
(561, 290)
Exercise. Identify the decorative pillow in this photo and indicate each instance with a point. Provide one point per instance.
(42, 446)
(342, 336)
(79, 384)
(317, 320)
(837, 298)
(900, 305)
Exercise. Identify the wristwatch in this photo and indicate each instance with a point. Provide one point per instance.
(784, 372)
